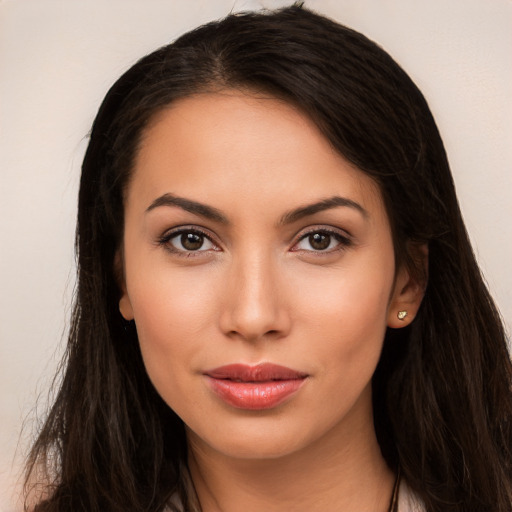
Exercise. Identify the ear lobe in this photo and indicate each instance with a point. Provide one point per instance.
(125, 306)
(409, 290)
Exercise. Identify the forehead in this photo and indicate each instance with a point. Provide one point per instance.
(249, 144)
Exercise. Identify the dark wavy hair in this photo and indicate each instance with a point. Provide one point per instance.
(442, 389)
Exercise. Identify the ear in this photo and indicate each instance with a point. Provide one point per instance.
(125, 306)
(409, 289)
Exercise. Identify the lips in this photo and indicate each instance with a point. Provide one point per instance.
(263, 386)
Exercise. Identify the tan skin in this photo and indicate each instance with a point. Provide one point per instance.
(263, 281)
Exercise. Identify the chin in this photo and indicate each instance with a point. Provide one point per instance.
(251, 442)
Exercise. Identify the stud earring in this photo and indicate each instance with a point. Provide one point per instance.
(401, 315)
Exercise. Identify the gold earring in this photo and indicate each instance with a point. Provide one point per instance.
(401, 315)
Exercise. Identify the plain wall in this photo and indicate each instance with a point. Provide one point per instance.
(57, 60)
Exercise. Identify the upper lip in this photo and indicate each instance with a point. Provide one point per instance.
(262, 372)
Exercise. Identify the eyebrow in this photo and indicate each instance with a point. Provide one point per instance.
(320, 206)
(188, 205)
(209, 212)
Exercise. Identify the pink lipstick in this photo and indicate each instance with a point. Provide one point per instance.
(263, 386)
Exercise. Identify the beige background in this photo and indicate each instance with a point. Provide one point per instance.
(57, 60)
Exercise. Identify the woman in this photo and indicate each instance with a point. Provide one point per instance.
(278, 307)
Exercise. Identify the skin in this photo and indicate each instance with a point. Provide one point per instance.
(257, 290)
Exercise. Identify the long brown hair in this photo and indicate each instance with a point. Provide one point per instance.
(442, 389)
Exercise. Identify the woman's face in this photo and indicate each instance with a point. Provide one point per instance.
(259, 270)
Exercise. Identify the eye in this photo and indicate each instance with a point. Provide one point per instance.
(187, 241)
(321, 241)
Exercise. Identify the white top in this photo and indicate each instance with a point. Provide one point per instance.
(408, 501)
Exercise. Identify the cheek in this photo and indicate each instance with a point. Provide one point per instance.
(353, 299)
(172, 312)
(348, 318)
(166, 299)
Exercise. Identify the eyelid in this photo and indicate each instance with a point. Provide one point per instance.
(344, 237)
(169, 234)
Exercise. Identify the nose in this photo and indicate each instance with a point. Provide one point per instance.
(254, 304)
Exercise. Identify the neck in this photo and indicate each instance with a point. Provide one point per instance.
(335, 473)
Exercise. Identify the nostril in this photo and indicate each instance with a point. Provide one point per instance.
(270, 334)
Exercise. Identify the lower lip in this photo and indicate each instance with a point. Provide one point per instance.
(255, 395)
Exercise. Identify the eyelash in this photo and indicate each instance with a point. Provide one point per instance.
(165, 240)
(344, 241)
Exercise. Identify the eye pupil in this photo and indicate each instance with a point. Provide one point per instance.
(319, 241)
(192, 241)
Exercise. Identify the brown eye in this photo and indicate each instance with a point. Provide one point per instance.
(322, 241)
(188, 241)
(192, 241)
(319, 241)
